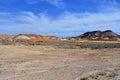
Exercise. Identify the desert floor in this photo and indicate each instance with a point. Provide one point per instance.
(49, 63)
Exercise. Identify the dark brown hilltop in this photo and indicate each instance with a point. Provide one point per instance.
(107, 35)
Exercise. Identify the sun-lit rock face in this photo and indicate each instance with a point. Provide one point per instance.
(4, 36)
(51, 38)
(32, 37)
(23, 37)
(94, 35)
(107, 35)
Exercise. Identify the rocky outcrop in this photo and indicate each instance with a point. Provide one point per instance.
(4, 36)
(94, 35)
(107, 35)
(32, 37)
(51, 38)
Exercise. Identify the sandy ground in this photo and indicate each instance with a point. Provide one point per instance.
(48, 63)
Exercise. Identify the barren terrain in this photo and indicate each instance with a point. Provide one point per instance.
(50, 63)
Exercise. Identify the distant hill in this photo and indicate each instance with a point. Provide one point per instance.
(34, 37)
(98, 35)
(107, 35)
(4, 36)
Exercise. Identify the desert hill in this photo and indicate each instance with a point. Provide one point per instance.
(4, 36)
(34, 37)
(107, 35)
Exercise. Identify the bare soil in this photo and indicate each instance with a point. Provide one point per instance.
(50, 63)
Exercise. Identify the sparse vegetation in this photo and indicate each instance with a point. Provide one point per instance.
(101, 75)
(6, 42)
(90, 45)
(63, 45)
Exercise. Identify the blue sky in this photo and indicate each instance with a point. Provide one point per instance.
(58, 17)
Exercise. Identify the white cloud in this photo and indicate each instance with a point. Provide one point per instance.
(67, 24)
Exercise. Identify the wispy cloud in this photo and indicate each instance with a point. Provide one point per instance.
(66, 24)
(58, 3)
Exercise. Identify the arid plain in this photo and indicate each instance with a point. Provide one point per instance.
(20, 62)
